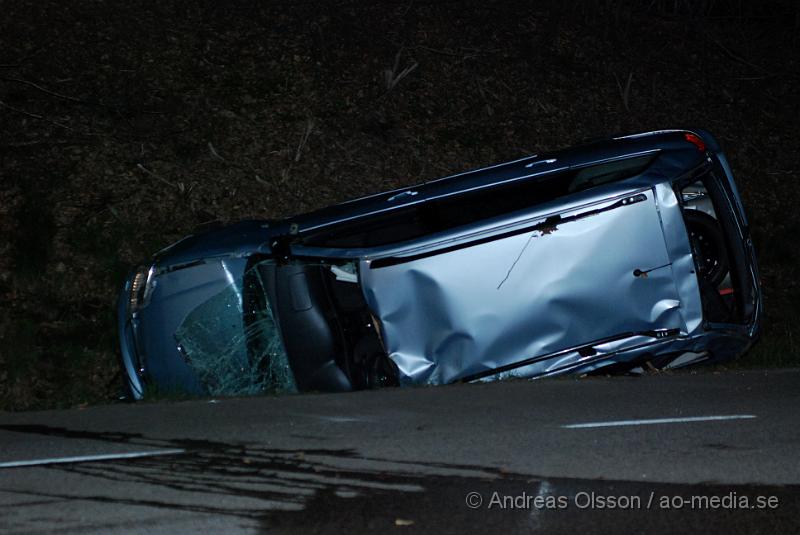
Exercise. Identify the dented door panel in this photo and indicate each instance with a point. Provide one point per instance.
(478, 308)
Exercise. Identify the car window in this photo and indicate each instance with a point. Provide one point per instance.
(440, 214)
(606, 173)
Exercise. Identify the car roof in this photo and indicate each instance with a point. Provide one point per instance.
(525, 168)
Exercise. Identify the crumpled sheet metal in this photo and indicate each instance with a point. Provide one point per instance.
(469, 311)
(680, 254)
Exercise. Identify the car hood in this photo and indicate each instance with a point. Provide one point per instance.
(237, 240)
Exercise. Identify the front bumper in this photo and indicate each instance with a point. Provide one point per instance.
(132, 359)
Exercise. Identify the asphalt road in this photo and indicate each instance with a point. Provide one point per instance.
(659, 454)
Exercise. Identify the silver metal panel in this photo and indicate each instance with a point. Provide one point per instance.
(467, 311)
(680, 254)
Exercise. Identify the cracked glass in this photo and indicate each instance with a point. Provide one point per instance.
(232, 341)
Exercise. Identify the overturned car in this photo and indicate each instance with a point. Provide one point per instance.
(607, 256)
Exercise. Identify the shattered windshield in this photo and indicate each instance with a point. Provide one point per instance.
(233, 343)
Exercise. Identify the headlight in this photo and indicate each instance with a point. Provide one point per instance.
(142, 286)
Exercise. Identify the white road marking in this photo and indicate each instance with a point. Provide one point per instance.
(661, 421)
(338, 419)
(335, 419)
(91, 458)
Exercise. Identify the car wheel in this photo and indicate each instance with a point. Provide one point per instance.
(708, 244)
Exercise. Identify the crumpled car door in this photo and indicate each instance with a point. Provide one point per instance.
(468, 306)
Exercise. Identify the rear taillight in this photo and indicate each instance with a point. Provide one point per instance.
(695, 140)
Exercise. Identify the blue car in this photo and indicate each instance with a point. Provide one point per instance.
(628, 252)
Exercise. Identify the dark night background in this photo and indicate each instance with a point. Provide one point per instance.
(125, 125)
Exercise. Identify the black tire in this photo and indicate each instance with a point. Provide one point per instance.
(708, 246)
